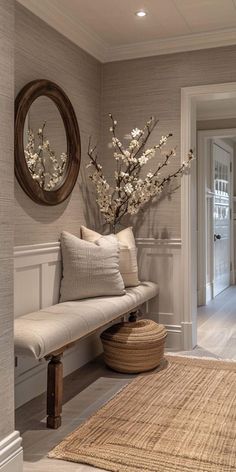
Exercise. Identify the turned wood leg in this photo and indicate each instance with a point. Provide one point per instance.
(54, 392)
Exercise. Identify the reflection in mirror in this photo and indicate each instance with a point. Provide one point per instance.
(45, 144)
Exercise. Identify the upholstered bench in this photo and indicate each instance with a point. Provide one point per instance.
(49, 332)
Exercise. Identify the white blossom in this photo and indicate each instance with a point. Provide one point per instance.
(132, 187)
(163, 140)
(133, 144)
(143, 160)
(136, 133)
(45, 168)
(149, 175)
(128, 188)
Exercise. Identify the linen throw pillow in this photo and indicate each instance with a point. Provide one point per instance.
(90, 270)
(128, 253)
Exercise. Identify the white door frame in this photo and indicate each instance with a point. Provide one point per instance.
(189, 97)
(203, 150)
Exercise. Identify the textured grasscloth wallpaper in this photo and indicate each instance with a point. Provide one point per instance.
(6, 217)
(132, 90)
(135, 89)
(41, 52)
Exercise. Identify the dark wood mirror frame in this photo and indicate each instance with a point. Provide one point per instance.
(24, 99)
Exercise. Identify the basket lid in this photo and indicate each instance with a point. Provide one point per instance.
(135, 332)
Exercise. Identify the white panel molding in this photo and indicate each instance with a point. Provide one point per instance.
(62, 21)
(37, 282)
(160, 261)
(37, 273)
(152, 242)
(11, 453)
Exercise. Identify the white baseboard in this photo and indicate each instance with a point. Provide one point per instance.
(33, 382)
(174, 337)
(187, 331)
(11, 453)
(174, 331)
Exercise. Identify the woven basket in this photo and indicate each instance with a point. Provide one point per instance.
(134, 347)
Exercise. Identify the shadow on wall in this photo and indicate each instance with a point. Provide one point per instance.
(95, 221)
(91, 211)
(139, 222)
(34, 210)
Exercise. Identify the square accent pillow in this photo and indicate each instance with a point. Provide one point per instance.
(90, 270)
(128, 253)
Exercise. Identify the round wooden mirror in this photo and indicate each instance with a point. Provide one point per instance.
(47, 142)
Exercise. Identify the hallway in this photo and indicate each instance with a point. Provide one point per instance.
(217, 325)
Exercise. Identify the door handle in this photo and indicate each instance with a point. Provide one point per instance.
(217, 236)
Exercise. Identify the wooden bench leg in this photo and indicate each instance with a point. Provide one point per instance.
(54, 392)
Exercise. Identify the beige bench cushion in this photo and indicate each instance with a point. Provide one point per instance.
(40, 333)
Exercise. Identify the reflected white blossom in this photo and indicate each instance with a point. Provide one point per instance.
(44, 166)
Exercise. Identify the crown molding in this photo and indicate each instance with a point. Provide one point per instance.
(68, 27)
(188, 42)
(86, 39)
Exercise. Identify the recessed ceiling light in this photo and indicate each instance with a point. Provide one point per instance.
(141, 13)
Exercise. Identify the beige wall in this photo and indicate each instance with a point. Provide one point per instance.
(132, 90)
(135, 89)
(41, 52)
(6, 217)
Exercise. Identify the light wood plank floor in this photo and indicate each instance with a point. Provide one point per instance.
(217, 325)
(85, 391)
(88, 388)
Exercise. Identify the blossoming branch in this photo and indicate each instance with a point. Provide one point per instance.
(131, 190)
(45, 167)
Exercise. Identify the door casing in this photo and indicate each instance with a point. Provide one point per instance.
(189, 98)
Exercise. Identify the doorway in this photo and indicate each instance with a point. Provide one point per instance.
(215, 225)
(216, 279)
(190, 98)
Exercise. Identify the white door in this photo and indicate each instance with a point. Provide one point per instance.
(221, 218)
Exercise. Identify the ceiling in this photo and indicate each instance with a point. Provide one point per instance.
(109, 29)
(216, 109)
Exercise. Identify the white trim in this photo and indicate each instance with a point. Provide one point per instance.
(190, 42)
(11, 455)
(36, 249)
(188, 220)
(45, 248)
(189, 97)
(151, 242)
(88, 40)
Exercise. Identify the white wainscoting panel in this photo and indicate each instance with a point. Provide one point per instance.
(37, 282)
(37, 277)
(160, 262)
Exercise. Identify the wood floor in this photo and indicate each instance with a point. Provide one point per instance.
(217, 325)
(87, 389)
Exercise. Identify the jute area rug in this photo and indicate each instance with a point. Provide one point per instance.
(181, 419)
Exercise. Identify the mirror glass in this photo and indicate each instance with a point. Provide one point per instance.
(45, 144)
